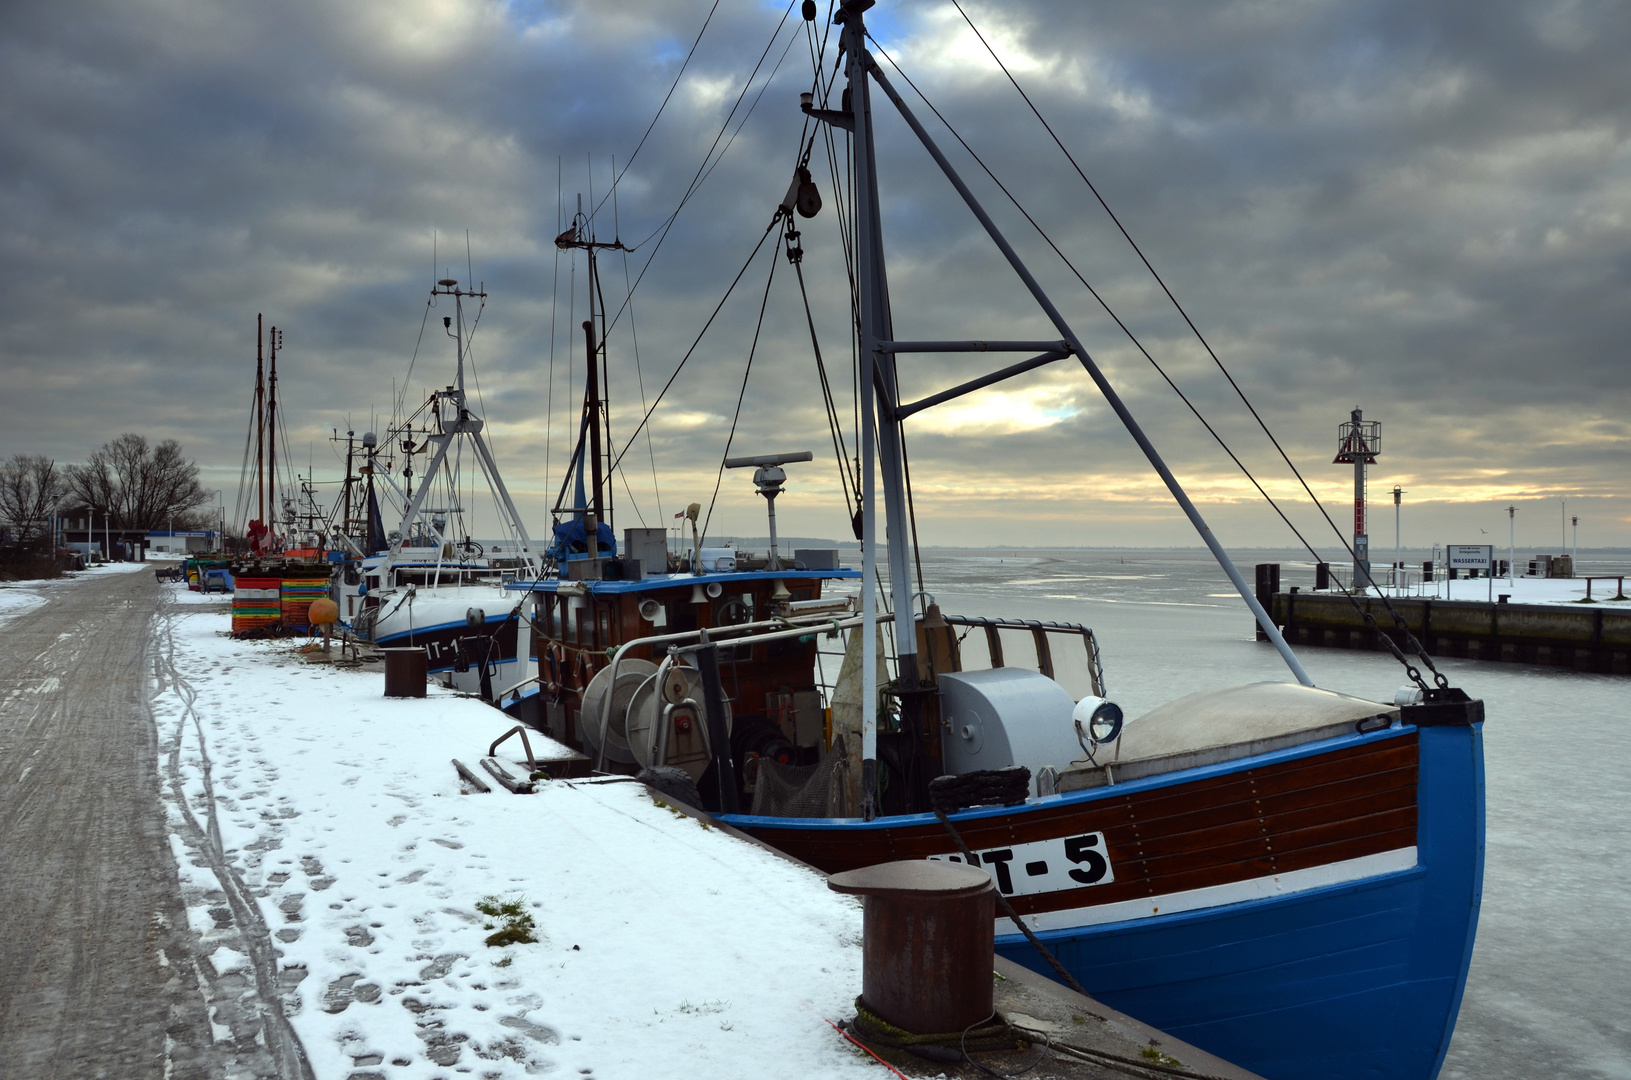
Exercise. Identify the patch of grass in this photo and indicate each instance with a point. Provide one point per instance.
(1153, 1053)
(666, 806)
(513, 923)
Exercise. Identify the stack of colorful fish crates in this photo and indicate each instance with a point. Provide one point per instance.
(257, 607)
(298, 594)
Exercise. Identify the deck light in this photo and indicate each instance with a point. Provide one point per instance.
(1097, 721)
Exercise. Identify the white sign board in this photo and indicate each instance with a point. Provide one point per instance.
(1469, 556)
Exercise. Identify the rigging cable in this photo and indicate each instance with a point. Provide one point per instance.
(698, 341)
(704, 169)
(554, 305)
(1399, 623)
(746, 371)
(1365, 614)
(672, 87)
(834, 425)
(639, 373)
(396, 406)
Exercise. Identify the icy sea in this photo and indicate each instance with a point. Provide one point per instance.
(1549, 993)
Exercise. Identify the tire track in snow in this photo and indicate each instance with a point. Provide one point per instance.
(287, 1053)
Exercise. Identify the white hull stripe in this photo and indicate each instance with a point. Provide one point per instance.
(1235, 892)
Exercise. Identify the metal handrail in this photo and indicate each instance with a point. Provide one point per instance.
(1039, 631)
(816, 622)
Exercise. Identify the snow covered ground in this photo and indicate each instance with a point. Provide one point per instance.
(1522, 590)
(302, 799)
(19, 597)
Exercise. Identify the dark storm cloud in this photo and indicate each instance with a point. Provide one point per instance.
(1421, 208)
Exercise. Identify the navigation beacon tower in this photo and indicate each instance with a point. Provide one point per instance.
(1358, 443)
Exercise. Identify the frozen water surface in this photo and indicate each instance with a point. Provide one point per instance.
(1549, 986)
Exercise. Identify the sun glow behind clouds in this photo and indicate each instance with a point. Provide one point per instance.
(1008, 412)
(944, 46)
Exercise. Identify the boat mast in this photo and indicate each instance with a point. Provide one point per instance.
(260, 418)
(878, 396)
(449, 428)
(345, 520)
(595, 404)
(271, 429)
(878, 351)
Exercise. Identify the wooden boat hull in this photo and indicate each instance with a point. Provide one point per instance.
(1305, 912)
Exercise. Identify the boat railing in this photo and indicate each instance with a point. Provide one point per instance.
(1040, 633)
(832, 618)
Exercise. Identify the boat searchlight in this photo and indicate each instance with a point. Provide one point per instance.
(1097, 722)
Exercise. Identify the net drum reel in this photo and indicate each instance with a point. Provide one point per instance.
(603, 722)
(666, 722)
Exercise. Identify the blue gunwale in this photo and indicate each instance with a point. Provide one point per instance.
(668, 581)
(434, 627)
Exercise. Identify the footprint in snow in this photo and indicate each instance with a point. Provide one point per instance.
(346, 989)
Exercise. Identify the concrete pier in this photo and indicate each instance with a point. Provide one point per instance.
(1585, 638)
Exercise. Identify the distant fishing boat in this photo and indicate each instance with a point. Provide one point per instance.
(427, 583)
(1285, 876)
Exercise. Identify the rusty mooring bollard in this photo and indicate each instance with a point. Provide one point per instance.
(405, 672)
(927, 940)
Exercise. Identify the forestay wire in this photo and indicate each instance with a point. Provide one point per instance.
(1399, 623)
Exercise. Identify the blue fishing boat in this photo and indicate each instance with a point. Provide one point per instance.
(1282, 875)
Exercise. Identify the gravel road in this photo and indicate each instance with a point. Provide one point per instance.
(100, 974)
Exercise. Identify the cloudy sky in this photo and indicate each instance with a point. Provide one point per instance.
(1419, 208)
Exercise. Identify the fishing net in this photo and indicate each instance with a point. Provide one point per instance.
(802, 790)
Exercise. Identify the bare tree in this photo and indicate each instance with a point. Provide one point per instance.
(30, 485)
(138, 486)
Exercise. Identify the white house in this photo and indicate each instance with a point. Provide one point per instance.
(182, 542)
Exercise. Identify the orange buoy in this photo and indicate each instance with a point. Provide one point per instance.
(323, 612)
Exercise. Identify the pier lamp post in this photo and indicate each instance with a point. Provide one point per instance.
(1398, 562)
(1512, 546)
